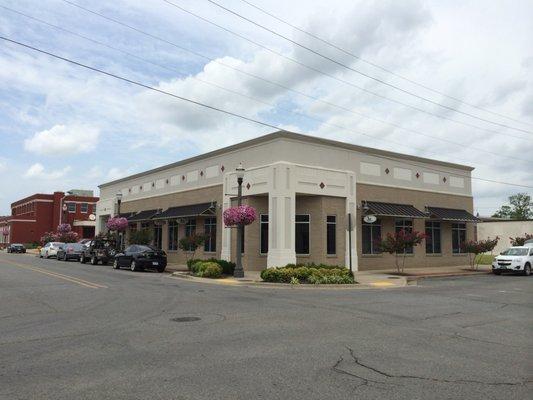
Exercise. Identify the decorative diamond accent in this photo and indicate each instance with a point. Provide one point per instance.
(129, 190)
(153, 184)
(201, 173)
(166, 181)
(248, 186)
(387, 171)
(222, 168)
(183, 177)
(444, 179)
(140, 187)
(417, 175)
(322, 186)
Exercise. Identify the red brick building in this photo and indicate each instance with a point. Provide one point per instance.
(34, 215)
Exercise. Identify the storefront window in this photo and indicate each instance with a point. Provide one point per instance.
(433, 237)
(371, 236)
(158, 236)
(407, 226)
(302, 233)
(458, 238)
(210, 230)
(331, 234)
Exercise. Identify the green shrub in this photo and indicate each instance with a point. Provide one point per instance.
(227, 266)
(207, 269)
(191, 262)
(308, 274)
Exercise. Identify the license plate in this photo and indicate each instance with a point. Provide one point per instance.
(155, 263)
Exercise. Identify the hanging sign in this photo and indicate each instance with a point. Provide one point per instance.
(370, 219)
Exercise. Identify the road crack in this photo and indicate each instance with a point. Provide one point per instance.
(366, 381)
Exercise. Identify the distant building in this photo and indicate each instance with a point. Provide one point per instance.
(504, 229)
(34, 215)
(303, 189)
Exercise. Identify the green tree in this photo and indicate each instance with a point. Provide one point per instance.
(521, 207)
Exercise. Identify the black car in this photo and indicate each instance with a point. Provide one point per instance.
(16, 248)
(70, 251)
(98, 250)
(138, 257)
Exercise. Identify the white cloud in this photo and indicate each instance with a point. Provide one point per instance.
(38, 171)
(63, 139)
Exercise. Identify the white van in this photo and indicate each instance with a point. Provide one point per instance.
(515, 259)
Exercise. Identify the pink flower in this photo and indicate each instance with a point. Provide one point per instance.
(117, 224)
(244, 215)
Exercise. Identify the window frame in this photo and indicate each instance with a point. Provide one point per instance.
(308, 223)
(458, 227)
(188, 226)
(328, 227)
(433, 229)
(373, 251)
(261, 224)
(210, 245)
(86, 206)
(401, 223)
(173, 242)
(68, 207)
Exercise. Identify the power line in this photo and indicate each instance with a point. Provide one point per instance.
(360, 72)
(256, 99)
(330, 75)
(145, 86)
(373, 64)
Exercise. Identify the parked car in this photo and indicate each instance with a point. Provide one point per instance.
(514, 259)
(70, 251)
(16, 248)
(138, 257)
(98, 250)
(50, 249)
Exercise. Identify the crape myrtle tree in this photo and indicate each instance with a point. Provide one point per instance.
(476, 247)
(63, 234)
(397, 243)
(521, 240)
(189, 244)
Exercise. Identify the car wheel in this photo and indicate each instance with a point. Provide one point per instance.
(46, 255)
(115, 264)
(65, 257)
(527, 269)
(133, 266)
(82, 259)
(94, 260)
(161, 269)
(496, 272)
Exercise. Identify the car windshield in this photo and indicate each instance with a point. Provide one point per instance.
(513, 251)
(16, 245)
(146, 248)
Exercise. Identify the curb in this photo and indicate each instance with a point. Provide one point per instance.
(252, 283)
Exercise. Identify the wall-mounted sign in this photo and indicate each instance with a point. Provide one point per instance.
(92, 217)
(370, 219)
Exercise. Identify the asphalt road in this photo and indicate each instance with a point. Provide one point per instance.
(72, 331)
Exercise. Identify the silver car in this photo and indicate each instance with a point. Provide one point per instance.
(50, 249)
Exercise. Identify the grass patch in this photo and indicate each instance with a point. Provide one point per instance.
(484, 259)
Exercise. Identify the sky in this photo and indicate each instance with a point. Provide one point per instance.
(65, 127)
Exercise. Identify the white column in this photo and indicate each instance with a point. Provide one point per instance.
(281, 212)
(351, 209)
(225, 252)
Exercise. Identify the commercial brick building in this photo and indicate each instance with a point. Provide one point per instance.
(34, 215)
(304, 188)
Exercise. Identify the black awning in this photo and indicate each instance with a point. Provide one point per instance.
(142, 215)
(126, 215)
(451, 214)
(193, 210)
(392, 210)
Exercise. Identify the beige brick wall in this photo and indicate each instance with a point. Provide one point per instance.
(204, 195)
(419, 199)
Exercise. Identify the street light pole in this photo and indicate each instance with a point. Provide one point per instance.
(64, 219)
(119, 201)
(239, 271)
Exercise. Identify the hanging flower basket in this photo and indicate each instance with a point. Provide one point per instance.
(117, 224)
(64, 228)
(244, 215)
